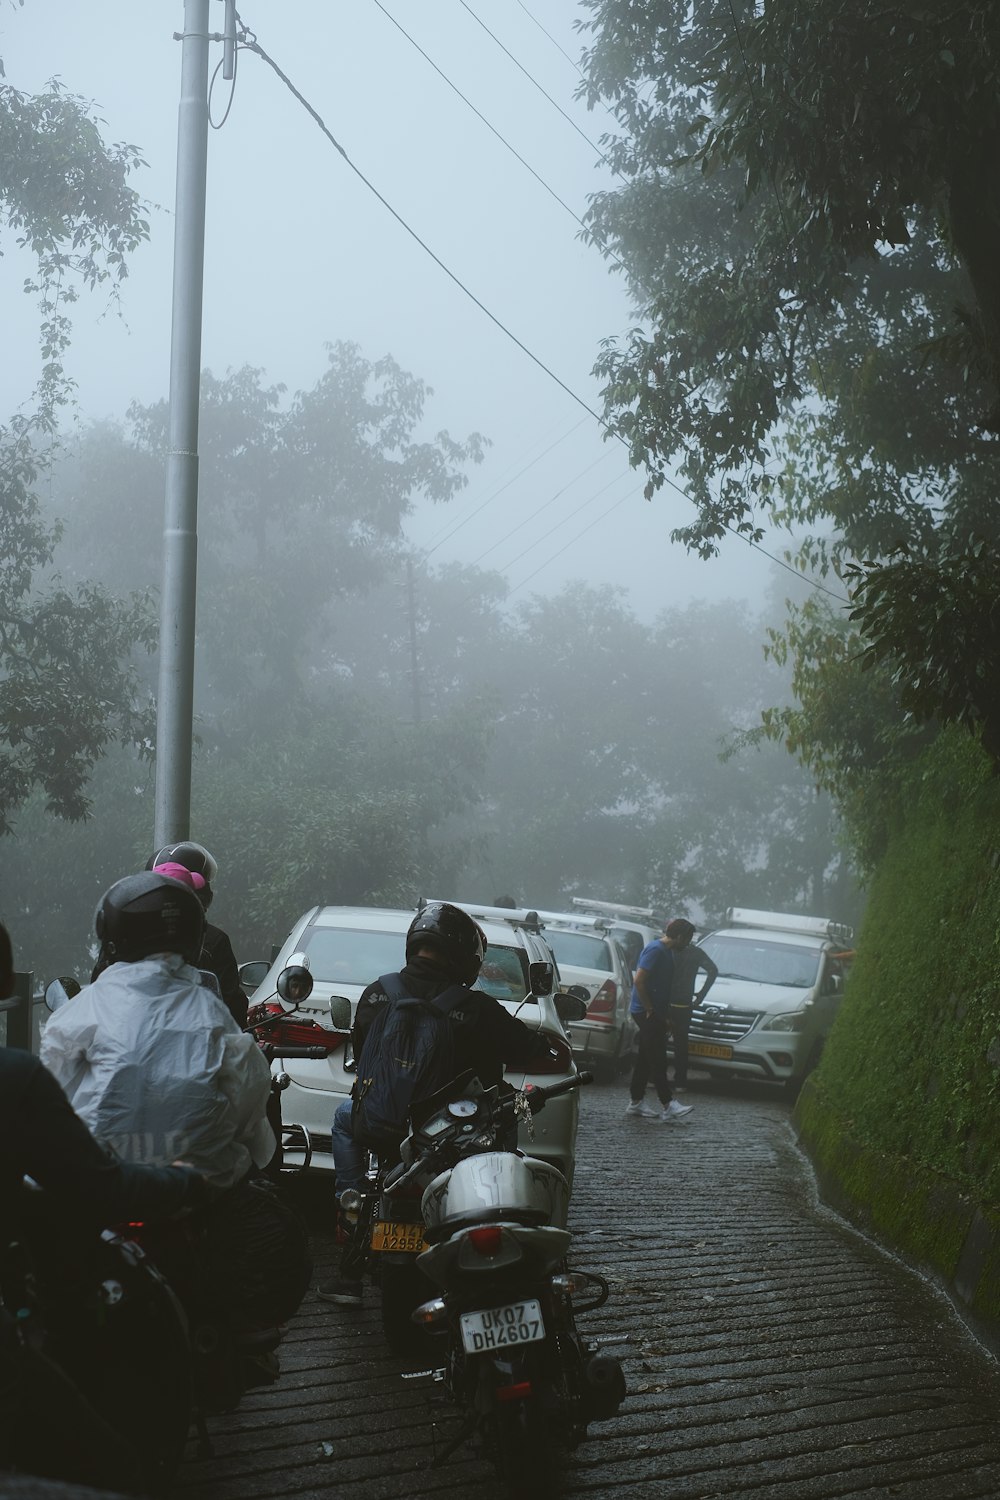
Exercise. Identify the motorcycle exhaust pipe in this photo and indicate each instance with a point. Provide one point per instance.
(605, 1388)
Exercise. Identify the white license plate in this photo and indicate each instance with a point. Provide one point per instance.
(502, 1327)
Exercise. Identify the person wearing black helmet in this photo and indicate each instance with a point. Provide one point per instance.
(149, 1059)
(217, 954)
(445, 947)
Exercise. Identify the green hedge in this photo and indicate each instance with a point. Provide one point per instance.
(903, 1116)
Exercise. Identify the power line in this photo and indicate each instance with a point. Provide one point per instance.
(250, 42)
(616, 479)
(480, 116)
(534, 516)
(506, 486)
(572, 541)
(534, 81)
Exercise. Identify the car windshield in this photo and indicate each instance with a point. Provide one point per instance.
(764, 962)
(504, 974)
(581, 949)
(347, 955)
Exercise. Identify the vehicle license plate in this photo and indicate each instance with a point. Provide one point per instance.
(387, 1235)
(710, 1049)
(500, 1327)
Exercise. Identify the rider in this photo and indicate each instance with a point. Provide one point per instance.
(217, 951)
(444, 947)
(84, 1190)
(158, 1069)
(149, 1059)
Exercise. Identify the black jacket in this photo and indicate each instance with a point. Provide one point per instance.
(487, 1037)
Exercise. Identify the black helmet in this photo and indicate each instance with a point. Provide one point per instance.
(458, 941)
(194, 857)
(150, 913)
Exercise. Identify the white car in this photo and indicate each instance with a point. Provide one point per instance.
(590, 956)
(347, 947)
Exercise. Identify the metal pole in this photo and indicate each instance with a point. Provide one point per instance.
(175, 701)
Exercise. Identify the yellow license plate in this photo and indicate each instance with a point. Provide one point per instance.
(390, 1236)
(710, 1049)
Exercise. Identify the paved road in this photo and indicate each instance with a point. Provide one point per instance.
(770, 1353)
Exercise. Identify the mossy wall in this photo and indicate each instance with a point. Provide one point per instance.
(902, 1118)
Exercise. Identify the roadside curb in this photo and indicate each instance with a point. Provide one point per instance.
(925, 1218)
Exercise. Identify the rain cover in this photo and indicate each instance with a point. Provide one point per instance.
(157, 1068)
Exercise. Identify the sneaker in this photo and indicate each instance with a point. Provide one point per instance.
(347, 1293)
(641, 1108)
(674, 1111)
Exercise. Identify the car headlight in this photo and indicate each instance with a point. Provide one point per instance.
(789, 1020)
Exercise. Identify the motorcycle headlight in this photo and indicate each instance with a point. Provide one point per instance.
(789, 1020)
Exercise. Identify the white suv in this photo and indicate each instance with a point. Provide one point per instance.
(780, 982)
(346, 948)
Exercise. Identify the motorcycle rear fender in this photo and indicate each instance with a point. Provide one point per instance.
(535, 1250)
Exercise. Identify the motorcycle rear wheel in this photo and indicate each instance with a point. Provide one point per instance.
(523, 1451)
(402, 1286)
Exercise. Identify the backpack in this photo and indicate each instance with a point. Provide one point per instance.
(408, 1054)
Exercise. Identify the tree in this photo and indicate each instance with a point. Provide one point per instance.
(814, 250)
(67, 683)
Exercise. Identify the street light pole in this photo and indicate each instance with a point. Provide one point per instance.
(175, 700)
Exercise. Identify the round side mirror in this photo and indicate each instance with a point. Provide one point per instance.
(59, 991)
(294, 985)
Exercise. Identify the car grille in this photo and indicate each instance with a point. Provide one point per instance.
(727, 1026)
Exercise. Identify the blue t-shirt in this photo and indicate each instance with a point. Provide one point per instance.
(658, 963)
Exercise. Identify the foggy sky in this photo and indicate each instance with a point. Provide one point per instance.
(300, 253)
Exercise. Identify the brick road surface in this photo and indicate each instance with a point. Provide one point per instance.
(770, 1353)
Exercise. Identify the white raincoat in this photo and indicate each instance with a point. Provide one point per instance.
(154, 1064)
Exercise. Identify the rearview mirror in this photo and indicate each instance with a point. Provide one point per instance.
(340, 1012)
(541, 977)
(294, 985)
(252, 974)
(59, 991)
(570, 1007)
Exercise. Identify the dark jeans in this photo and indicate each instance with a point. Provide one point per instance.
(651, 1061)
(680, 1022)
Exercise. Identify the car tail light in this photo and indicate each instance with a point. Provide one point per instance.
(559, 1059)
(487, 1239)
(297, 1032)
(604, 1003)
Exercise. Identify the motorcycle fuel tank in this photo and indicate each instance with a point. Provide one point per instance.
(497, 1182)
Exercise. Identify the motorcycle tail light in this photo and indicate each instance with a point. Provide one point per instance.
(604, 1003)
(513, 1392)
(487, 1239)
(559, 1059)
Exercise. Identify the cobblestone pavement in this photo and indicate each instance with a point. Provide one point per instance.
(770, 1353)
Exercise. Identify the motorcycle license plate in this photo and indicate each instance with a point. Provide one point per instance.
(388, 1235)
(710, 1049)
(500, 1327)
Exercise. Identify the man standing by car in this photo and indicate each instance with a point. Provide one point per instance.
(688, 961)
(654, 977)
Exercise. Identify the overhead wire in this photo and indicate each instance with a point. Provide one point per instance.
(249, 41)
(536, 513)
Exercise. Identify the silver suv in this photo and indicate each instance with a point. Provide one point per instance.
(769, 1012)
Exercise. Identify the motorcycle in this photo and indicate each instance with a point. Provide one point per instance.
(494, 1221)
(95, 1357)
(248, 1227)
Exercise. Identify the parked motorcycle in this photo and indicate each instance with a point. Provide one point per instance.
(526, 1382)
(96, 1359)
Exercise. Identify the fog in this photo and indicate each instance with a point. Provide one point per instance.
(300, 252)
(555, 728)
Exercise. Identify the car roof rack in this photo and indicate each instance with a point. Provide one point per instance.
(514, 916)
(613, 908)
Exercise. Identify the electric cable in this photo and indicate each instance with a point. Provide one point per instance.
(250, 42)
(616, 479)
(438, 539)
(572, 542)
(534, 81)
(535, 514)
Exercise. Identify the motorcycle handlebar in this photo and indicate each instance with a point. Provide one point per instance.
(538, 1097)
(272, 1050)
